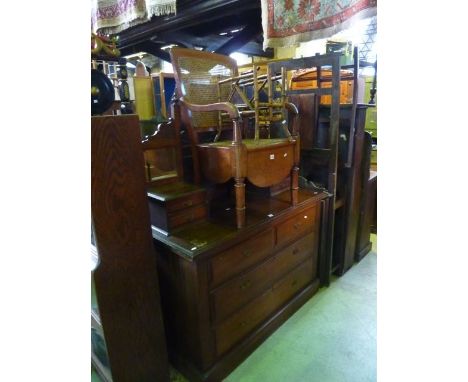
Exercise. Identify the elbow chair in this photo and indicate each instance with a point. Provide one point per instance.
(202, 95)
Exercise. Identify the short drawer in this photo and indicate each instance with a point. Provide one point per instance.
(186, 201)
(187, 215)
(240, 257)
(232, 295)
(297, 226)
(248, 318)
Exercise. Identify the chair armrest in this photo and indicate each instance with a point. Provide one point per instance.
(218, 106)
(291, 108)
(293, 113)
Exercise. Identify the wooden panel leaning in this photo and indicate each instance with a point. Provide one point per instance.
(126, 279)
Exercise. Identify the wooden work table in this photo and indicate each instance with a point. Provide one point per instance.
(225, 290)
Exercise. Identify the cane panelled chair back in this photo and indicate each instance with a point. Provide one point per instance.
(197, 77)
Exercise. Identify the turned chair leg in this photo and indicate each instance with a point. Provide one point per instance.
(294, 185)
(239, 188)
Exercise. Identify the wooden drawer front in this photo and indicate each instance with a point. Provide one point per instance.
(296, 226)
(235, 259)
(186, 201)
(252, 315)
(187, 215)
(231, 296)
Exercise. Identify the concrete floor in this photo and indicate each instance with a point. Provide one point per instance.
(332, 338)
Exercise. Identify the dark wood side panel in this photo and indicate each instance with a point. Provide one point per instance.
(126, 280)
(354, 190)
(184, 294)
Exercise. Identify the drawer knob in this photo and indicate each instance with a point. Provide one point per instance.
(246, 252)
(294, 283)
(245, 285)
(188, 203)
(297, 225)
(243, 323)
(295, 251)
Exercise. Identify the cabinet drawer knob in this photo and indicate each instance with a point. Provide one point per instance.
(243, 323)
(188, 203)
(295, 251)
(297, 225)
(246, 252)
(294, 283)
(245, 285)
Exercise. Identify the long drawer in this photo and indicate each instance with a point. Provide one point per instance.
(232, 295)
(297, 226)
(249, 317)
(240, 257)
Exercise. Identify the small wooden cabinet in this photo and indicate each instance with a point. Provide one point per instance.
(175, 204)
(224, 290)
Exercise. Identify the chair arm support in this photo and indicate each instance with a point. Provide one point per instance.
(218, 106)
(291, 108)
(293, 113)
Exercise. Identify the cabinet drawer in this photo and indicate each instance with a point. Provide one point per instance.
(244, 321)
(187, 215)
(186, 201)
(231, 296)
(235, 259)
(297, 226)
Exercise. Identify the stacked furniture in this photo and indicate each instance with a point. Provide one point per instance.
(231, 276)
(233, 263)
(318, 132)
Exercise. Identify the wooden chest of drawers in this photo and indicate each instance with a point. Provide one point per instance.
(225, 290)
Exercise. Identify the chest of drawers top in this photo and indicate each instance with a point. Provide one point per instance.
(219, 233)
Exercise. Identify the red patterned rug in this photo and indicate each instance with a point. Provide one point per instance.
(288, 22)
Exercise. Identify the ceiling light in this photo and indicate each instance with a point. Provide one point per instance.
(223, 34)
(135, 55)
(235, 30)
(168, 46)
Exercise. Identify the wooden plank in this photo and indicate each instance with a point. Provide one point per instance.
(126, 279)
(317, 91)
